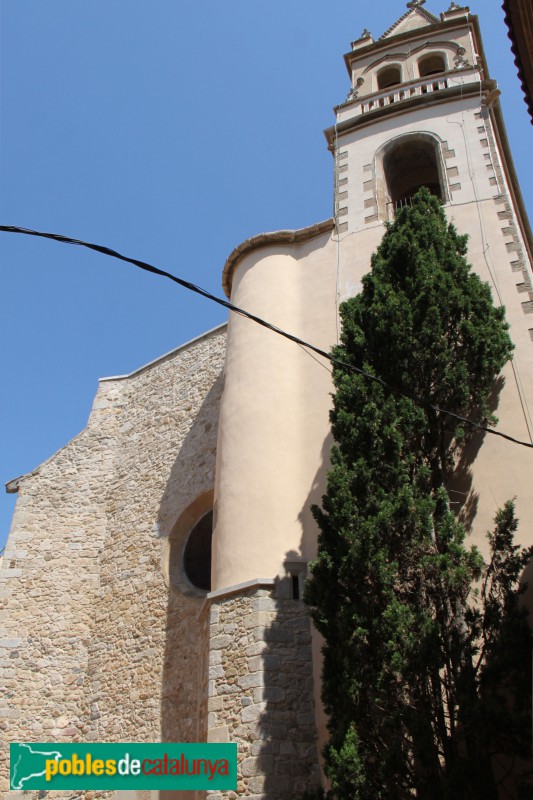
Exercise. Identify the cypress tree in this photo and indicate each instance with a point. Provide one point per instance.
(424, 642)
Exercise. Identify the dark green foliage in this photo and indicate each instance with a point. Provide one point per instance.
(419, 684)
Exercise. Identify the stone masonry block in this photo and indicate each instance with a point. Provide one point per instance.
(265, 662)
(258, 618)
(221, 642)
(256, 766)
(10, 643)
(266, 604)
(265, 747)
(215, 704)
(257, 784)
(256, 648)
(279, 634)
(251, 681)
(259, 634)
(252, 713)
(10, 713)
(269, 694)
(10, 573)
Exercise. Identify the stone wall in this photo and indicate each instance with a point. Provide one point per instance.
(260, 690)
(95, 646)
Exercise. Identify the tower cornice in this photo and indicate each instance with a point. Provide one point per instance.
(460, 91)
(421, 34)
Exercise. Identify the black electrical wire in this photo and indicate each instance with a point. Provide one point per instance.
(226, 304)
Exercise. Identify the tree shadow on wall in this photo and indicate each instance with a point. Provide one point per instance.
(277, 769)
(464, 501)
(286, 737)
(287, 746)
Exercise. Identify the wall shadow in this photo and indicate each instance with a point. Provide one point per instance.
(464, 503)
(282, 725)
(288, 728)
(464, 500)
(287, 740)
(183, 714)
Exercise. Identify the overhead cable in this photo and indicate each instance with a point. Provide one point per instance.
(144, 265)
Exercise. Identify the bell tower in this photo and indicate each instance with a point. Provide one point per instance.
(422, 110)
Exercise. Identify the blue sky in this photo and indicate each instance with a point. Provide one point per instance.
(170, 131)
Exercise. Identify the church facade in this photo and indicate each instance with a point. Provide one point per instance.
(154, 570)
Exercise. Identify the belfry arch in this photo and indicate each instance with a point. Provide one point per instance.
(431, 64)
(403, 166)
(390, 75)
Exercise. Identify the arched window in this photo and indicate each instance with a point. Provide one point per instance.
(197, 554)
(187, 553)
(431, 65)
(409, 164)
(389, 76)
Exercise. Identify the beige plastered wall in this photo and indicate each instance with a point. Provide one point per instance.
(480, 204)
(274, 434)
(272, 448)
(274, 437)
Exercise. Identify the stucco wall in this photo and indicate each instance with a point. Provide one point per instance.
(274, 439)
(96, 647)
(274, 446)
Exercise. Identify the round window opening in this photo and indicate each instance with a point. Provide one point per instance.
(197, 555)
